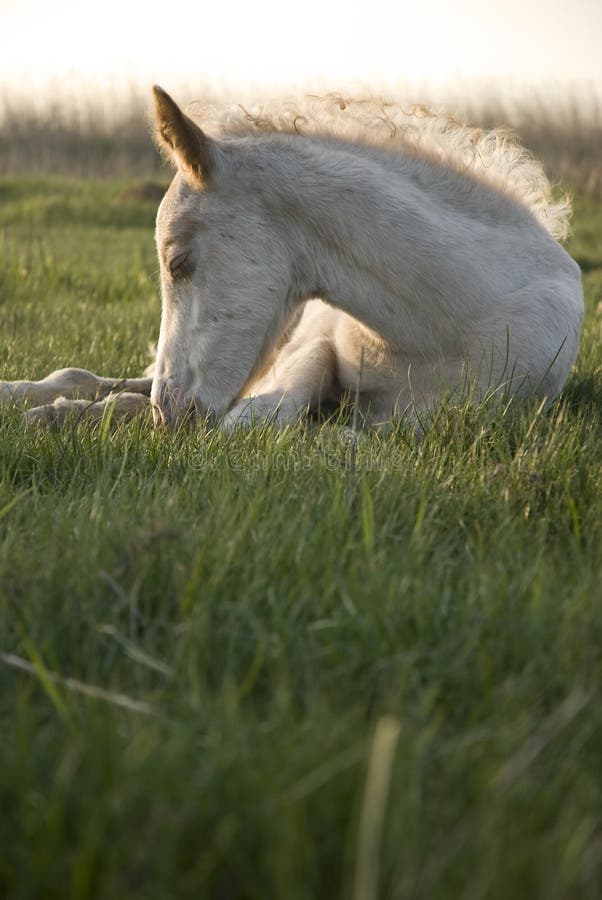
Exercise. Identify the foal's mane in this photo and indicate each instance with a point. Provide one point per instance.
(493, 157)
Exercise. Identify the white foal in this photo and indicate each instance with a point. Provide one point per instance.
(423, 251)
(435, 271)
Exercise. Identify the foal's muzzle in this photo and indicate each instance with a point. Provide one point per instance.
(171, 408)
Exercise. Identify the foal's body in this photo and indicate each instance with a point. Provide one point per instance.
(433, 273)
(489, 300)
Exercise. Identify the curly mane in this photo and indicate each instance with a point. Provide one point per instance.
(493, 157)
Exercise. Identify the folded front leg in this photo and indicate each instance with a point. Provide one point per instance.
(69, 384)
(299, 382)
(119, 406)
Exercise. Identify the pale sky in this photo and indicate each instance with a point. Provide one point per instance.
(278, 45)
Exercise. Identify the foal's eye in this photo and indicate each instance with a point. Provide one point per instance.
(181, 265)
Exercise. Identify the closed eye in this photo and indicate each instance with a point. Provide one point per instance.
(181, 265)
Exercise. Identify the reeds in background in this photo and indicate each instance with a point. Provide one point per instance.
(564, 131)
(95, 137)
(104, 134)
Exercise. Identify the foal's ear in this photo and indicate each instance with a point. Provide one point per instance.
(189, 147)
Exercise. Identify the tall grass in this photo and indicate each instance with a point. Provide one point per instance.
(565, 132)
(93, 138)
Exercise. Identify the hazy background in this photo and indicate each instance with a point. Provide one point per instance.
(274, 45)
(75, 76)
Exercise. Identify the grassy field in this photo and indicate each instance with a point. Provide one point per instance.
(231, 668)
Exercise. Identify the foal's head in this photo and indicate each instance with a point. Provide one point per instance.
(225, 270)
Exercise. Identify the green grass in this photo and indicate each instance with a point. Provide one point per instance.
(214, 634)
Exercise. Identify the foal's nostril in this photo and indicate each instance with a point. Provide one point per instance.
(158, 415)
(171, 410)
(166, 404)
(174, 408)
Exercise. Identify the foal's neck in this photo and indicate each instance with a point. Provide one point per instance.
(389, 240)
(366, 233)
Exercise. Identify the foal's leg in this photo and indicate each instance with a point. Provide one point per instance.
(301, 378)
(122, 405)
(69, 384)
